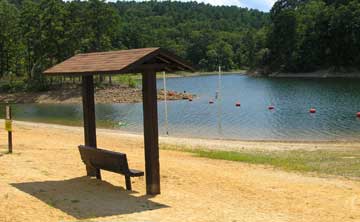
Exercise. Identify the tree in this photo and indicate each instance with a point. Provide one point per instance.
(30, 26)
(10, 39)
(218, 54)
(102, 23)
(36, 34)
(282, 40)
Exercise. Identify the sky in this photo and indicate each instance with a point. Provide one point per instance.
(263, 5)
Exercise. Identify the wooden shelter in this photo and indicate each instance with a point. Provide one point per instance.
(146, 61)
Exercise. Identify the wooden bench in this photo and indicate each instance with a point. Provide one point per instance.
(110, 161)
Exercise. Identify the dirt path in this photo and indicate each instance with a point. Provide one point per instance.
(43, 181)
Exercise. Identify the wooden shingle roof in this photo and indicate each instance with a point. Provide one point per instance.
(118, 62)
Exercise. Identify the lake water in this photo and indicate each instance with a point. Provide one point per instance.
(337, 101)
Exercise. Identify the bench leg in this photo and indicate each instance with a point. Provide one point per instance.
(90, 171)
(98, 174)
(93, 172)
(128, 182)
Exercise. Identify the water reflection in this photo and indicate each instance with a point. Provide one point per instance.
(337, 102)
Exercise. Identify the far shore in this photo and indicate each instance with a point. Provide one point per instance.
(72, 95)
(324, 74)
(203, 73)
(110, 94)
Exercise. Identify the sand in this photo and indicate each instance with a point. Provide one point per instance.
(44, 181)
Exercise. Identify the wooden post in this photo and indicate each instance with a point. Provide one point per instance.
(8, 124)
(151, 140)
(89, 119)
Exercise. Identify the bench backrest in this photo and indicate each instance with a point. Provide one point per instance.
(104, 159)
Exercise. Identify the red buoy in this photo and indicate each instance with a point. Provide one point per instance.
(211, 102)
(271, 107)
(237, 104)
(312, 110)
(358, 114)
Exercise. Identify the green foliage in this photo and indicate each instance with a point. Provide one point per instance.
(24, 86)
(13, 86)
(37, 85)
(128, 80)
(296, 36)
(306, 35)
(37, 34)
(10, 40)
(131, 82)
(208, 36)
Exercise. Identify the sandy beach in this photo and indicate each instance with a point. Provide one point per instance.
(43, 180)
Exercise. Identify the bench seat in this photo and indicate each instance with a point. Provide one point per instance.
(110, 161)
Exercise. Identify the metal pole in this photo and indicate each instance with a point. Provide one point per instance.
(219, 103)
(166, 108)
(8, 123)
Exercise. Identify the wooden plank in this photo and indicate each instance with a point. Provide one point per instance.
(117, 62)
(89, 119)
(109, 160)
(100, 62)
(151, 137)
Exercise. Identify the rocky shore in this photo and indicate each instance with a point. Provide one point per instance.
(71, 95)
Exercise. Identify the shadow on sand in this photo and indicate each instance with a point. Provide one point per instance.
(85, 198)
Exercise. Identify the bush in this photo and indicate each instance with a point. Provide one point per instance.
(13, 86)
(131, 82)
(37, 86)
(128, 80)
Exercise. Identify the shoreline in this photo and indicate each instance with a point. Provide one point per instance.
(72, 95)
(320, 74)
(114, 94)
(181, 75)
(214, 144)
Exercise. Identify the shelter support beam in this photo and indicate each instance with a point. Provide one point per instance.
(89, 119)
(151, 138)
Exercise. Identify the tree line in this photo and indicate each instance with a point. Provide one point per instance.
(296, 36)
(36, 34)
(309, 35)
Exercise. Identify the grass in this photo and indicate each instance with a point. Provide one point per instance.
(130, 80)
(345, 163)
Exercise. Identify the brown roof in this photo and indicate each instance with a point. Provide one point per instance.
(117, 62)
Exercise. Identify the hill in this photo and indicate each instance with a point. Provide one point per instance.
(37, 34)
(311, 35)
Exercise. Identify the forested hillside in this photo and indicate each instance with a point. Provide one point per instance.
(308, 35)
(36, 34)
(296, 36)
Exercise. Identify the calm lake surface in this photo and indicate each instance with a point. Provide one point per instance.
(337, 102)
